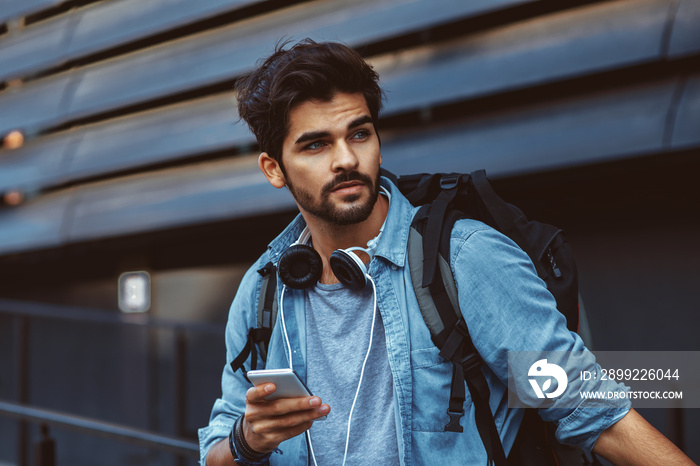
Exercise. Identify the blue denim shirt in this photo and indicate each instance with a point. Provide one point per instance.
(505, 304)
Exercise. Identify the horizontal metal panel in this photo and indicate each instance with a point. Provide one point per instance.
(589, 129)
(35, 165)
(223, 54)
(198, 194)
(99, 27)
(571, 43)
(37, 224)
(10, 9)
(147, 138)
(29, 111)
(686, 131)
(195, 127)
(685, 35)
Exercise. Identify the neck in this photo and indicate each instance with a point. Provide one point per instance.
(328, 237)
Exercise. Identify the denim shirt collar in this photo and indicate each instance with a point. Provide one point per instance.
(392, 245)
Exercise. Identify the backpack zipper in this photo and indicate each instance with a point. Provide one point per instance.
(553, 264)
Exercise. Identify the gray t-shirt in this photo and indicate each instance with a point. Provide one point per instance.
(338, 323)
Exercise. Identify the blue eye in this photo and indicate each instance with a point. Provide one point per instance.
(362, 134)
(314, 145)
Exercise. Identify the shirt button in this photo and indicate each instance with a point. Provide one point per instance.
(394, 267)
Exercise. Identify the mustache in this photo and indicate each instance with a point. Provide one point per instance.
(344, 178)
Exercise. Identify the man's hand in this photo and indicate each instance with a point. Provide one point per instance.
(633, 441)
(268, 423)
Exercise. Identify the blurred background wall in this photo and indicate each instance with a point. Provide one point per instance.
(122, 151)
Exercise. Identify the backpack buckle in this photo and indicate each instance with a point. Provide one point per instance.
(471, 362)
(461, 327)
(449, 181)
(454, 425)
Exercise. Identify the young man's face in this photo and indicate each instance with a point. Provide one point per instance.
(331, 157)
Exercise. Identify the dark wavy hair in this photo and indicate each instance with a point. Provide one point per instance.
(307, 71)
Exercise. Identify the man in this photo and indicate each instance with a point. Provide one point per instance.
(314, 110)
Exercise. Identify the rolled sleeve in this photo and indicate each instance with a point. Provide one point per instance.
(590, 419)
(210, 435)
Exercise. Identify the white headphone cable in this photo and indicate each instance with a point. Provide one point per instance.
(364, 363)
(311, 448)
(362, 371)
(289, 349)
(284, 327)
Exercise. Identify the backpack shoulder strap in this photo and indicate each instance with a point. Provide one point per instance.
(259, 337)
(439, 307)
(267, 305)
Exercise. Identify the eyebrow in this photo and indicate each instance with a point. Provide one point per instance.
(360, 121)
(311, 135)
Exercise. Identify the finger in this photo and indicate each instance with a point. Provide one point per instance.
(285, 406)
(285, 413)
(269, 439)
(323, 410)
(288, 423)
(296, 417)
(258, 393)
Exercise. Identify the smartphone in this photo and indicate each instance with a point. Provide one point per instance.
(288, 383)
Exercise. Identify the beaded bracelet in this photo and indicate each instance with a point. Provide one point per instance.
(241, 451)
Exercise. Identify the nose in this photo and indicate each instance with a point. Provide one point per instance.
(344, 158)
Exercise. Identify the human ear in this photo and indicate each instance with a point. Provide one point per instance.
(272, 170)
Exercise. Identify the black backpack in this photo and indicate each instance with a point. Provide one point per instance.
(444, 199)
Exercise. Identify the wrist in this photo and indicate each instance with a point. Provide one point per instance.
(241, 451)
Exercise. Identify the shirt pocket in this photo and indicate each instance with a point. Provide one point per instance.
(432, 377)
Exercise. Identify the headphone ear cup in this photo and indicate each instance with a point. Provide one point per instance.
(300, 266)
(349, 269)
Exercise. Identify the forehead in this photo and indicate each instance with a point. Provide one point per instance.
(331, 116)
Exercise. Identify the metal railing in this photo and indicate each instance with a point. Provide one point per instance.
(24, 312)
(100, 428)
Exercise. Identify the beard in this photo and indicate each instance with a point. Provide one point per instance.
(325, 210)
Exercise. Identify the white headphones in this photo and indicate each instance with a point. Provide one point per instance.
(300, 266)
